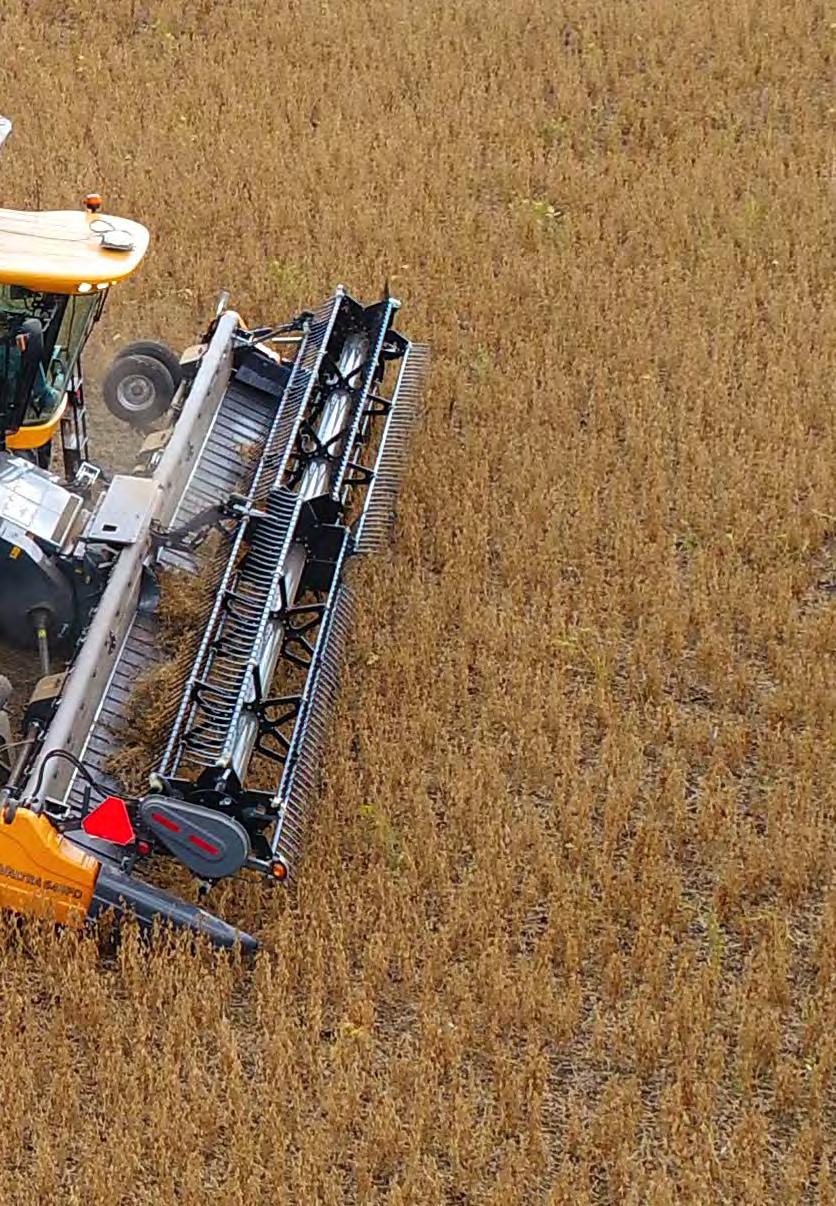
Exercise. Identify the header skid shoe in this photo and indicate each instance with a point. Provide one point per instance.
(321, 439)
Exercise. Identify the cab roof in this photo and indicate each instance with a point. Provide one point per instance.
(64, 251)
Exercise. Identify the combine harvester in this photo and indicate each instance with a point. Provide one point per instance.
(284, 444)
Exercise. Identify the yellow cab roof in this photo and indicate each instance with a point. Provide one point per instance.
(62, 251)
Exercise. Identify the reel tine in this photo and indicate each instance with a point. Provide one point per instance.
(375, 524)
(299, 781)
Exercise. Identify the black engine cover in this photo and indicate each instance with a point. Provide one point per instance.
(30, 581)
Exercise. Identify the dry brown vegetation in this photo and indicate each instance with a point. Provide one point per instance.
(183, 606)
(567, 931)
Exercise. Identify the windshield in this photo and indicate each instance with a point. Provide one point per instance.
(65, 322)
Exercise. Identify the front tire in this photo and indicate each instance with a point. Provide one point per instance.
(157, 351)
(138, 389)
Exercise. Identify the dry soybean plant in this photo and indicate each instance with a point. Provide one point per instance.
(567, 928)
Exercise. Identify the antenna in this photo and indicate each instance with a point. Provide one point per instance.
(5, 129)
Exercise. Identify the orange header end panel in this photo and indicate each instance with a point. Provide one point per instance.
(43, 873)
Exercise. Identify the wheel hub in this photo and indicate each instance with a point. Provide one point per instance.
(135, 392)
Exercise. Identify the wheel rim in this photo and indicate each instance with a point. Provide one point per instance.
(136, 393)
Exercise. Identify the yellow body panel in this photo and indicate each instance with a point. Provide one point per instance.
(43, 873)
(37, 434)
(61, 251)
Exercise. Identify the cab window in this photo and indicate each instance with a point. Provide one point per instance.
(66, 322)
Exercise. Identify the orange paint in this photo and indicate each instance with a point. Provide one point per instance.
(43, 873)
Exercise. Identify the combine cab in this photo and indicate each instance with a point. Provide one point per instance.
(275, 459)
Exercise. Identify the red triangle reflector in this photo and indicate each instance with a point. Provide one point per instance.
(110, 821)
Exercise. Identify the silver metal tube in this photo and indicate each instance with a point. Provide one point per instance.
(336, 414)
(39, 622)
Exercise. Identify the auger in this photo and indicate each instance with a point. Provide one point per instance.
(272, 458)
